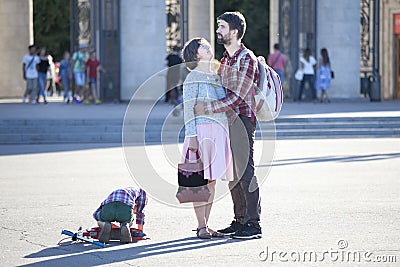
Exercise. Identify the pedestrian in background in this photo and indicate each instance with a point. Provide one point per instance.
(173, 76)
(93, 66)
(43, 68)
(66, 75)
(307, 64)
(277, 61)
(324, 75)
(30, 74)
(51, 76)
(79, 59)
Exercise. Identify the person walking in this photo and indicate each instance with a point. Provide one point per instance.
(30, 74)
(277, 61)
(240, 80)
(93, 66)
(43, 68)
(79, 59)
(66, 75)
(307, 64)
(324, 75)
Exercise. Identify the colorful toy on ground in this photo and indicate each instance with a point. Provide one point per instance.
(91, 235)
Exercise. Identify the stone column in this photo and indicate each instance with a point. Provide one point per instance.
(201, 20)
(16, 34)
(387, 47)
(143, 46)
(273, 24)
(338, 30)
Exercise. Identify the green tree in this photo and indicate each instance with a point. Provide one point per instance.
(51, 22)
(256, 13)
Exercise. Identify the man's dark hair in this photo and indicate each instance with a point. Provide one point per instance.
(236, 21)
(31, 46)
(190, 52)
(276, 46)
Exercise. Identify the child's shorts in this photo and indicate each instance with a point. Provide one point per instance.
(92, 81)
(116, 212)
(79, 78)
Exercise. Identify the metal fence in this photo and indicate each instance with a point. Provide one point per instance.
(97, 24)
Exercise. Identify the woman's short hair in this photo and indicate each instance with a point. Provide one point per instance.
(190, 52)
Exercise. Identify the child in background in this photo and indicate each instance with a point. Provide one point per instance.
(120, 206)
(92, 67)
(66, 74)
(79, 59)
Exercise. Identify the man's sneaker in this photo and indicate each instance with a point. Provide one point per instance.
(235, 226)
(104, 236)
(249, 231)
(125, 234)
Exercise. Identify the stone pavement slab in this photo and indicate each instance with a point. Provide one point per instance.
(321, 195)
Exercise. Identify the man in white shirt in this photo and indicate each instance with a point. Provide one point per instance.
(30, 74)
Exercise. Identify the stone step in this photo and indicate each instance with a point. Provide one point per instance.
(155, 137)
(110, 131)
(116, 122)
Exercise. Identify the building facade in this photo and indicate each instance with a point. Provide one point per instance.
(16, 33)
(132, 38)
(359, 35)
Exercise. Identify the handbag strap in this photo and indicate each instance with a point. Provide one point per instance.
(197, 156)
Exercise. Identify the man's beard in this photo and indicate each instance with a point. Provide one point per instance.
(223, 40)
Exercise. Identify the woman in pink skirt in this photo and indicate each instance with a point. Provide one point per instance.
(206, 134)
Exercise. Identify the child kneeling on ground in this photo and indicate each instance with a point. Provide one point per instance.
(120, 206)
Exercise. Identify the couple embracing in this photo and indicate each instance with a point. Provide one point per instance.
(220, 125)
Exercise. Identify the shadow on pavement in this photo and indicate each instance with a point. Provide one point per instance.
(101, 256)
(372, 157)
(9, 150)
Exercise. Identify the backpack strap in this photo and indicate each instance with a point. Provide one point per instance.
(241, 55)
(253, 92)
(30, 62)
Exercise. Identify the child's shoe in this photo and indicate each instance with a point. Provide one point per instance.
(98, 102)
(104, 236)
(76, 101)
(125, 234)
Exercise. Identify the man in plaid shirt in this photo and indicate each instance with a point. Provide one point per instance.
(240, 80)
(120, 206)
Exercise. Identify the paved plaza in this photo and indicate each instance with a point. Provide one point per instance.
(328, 198)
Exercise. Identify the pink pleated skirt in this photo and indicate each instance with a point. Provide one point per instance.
(214, 151)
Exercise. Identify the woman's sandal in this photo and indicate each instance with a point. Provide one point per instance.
(205, 235)
(215, 233)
